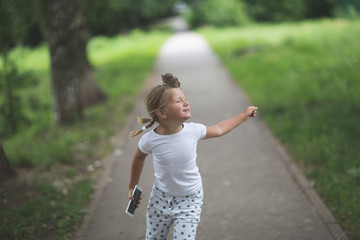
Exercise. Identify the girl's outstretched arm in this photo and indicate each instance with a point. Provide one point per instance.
(226, 126)
(137, 164)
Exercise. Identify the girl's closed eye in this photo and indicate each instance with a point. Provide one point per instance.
(181, 100)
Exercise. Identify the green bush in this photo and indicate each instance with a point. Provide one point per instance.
(217, 13)
(276, 10)
(13, 116)
(113, 16)
(349, 11)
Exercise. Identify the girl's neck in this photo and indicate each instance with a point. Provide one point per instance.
(167, 130)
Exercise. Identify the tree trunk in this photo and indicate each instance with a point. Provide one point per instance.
(72, 82)
(90, 93)
(6, 171)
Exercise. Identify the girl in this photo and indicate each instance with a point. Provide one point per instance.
(177, 196)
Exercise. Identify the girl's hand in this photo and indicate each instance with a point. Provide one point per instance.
(131, 198)
(251, 111)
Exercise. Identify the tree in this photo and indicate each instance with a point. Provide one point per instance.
(73, 87)
(276, 10)
(320, 8)
(113, 16)
(6, 171)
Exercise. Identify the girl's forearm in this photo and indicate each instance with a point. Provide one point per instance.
(227, 125)
(135, 172)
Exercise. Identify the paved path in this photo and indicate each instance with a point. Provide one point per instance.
(251, 189)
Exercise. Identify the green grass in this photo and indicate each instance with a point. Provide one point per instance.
(48, 198)
(49, 210)
(305, 79)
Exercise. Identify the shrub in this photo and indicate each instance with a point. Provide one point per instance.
(217, 13)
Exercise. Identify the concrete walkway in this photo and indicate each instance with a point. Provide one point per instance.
(252, 191)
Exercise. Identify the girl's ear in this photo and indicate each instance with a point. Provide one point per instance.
(161, 114)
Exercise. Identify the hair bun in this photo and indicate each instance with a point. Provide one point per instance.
(170, 80)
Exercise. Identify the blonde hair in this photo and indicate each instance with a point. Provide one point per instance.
(158, 98)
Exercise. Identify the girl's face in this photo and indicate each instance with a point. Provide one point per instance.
(178, 108)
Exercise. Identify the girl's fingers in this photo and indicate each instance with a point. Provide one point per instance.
(253, 113)
(138, 203)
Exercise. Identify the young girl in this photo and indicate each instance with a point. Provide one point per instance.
(177, 196)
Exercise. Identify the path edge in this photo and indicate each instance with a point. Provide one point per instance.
(299, 178)
(304, 184)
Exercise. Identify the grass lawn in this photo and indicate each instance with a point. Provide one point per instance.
(58, 166)
(305, 79)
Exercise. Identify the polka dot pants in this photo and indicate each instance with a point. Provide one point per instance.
(165, 210)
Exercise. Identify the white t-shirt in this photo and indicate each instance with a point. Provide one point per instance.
(174, 158)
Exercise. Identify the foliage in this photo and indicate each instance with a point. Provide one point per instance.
(6, 33)
(282, 10)
(18, 24)
(103, 17)
(304, 79)
(348, 9)
(113, 16)
(238, 12)
(217, 13)
(320, 8)
(12, 114)
(63, 162)
(276, 10)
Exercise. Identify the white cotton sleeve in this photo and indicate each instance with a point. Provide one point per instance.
(143, 145)
(201, 130)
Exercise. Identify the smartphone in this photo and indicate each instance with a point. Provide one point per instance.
(130, 210)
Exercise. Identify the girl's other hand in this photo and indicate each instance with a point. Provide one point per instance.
(131, 198)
